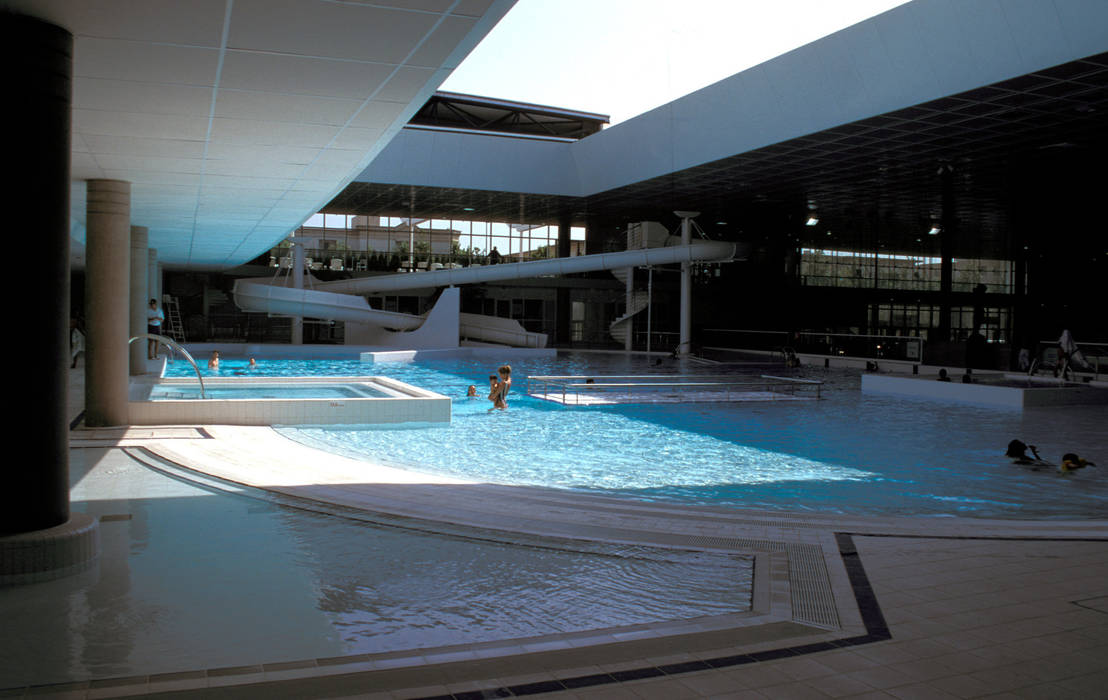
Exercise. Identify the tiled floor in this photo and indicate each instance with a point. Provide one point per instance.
(926, 608)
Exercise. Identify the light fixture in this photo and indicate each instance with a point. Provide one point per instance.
(813, 219)
(935, 230)
(467, 208)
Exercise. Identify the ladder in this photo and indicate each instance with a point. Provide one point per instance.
(174, 328)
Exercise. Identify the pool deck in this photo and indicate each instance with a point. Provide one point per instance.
(845, 606)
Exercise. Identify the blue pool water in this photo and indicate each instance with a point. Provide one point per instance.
(172, 392)
(849, 453)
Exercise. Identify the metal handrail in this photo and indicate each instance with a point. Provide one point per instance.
(172, 345)
(574, 384)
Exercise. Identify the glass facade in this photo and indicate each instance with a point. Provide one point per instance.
(917, 320)
(821, 267)
(347, 241)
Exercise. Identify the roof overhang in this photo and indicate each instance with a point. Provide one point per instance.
(236, 120)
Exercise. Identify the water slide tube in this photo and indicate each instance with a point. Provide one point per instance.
(700, 251)
(339, 300)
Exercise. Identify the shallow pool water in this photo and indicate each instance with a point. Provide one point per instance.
(192, 577)
(848, 453)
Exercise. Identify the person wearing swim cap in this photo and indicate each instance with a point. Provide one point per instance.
(1071, 463)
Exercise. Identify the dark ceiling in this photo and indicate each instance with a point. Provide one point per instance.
(1000, 143)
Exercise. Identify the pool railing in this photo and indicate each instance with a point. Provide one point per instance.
(581, 390)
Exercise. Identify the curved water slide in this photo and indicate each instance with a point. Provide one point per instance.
(341, 300)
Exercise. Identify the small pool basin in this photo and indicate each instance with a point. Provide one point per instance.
(285, 401)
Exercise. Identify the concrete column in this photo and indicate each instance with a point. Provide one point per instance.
(154, 275)
(685, 342)
(140, 295)
(562, 304)
(39, 538)
(297, 283)
(107, 300)
(948, 235)
(36, 67)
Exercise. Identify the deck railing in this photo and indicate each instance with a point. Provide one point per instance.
(580, 390)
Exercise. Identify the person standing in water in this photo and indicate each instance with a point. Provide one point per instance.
(500, 390)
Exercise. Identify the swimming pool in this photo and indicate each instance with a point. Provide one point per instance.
(848, 453)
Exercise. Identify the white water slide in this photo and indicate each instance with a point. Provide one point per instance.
(341, 300)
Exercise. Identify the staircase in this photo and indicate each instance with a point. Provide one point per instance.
(645, 234)
(621, 327)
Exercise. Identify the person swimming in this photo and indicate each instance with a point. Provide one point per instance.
(213, 361)
(1071, 463)
(1017, 452)
(471, 392)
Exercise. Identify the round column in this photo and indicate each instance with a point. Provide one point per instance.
(297, 334)
(107, 301)
(154, 276)
(39, 538)
(140, 295)
(37, 65)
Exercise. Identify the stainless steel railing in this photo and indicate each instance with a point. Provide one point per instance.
(172, 345)
(570, 389)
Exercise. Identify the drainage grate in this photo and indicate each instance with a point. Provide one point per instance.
(813, 602)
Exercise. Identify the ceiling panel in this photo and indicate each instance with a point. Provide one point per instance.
(328, 29)
(272, 106)
(140, 97)
(302, 75)
(450, 32)
(120, 59)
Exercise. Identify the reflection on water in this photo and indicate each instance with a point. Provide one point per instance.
(198, 579)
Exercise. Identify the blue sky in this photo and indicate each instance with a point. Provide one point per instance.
(625, 57)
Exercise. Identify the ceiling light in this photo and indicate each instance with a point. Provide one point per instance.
(812, 220)
(467, 208)
(935, 230)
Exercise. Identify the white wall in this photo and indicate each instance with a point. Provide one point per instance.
(914, 53)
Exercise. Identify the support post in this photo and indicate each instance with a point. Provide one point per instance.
(562, 302)
(107, 301)
(684, 345)
(947, 235)
(140, 295)
(297, 283)
(39, 538)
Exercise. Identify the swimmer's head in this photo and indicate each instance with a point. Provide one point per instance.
(1016, 449)
(471, 391)
(504, 370)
